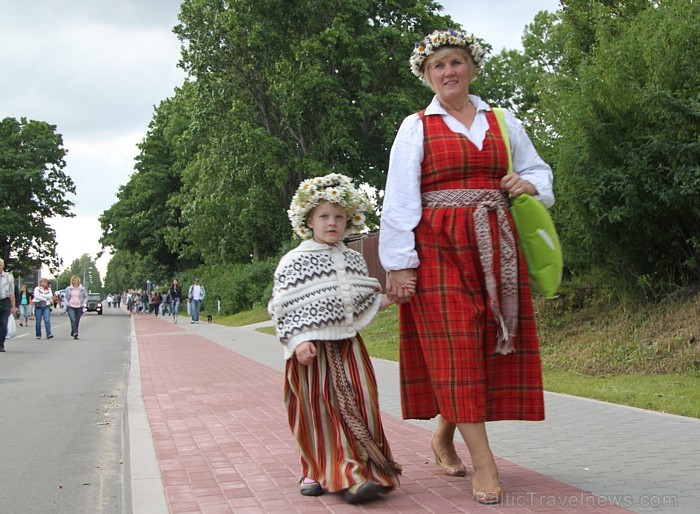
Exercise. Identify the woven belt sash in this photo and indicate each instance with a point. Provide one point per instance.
(505, 311)
(351, 413)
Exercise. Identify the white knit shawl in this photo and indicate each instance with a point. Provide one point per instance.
(322, 292)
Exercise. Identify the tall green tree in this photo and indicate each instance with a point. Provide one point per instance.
(519, 80)
(33, 189)
(144, 214)
(85, 269)
(287, 90)
(128, 270)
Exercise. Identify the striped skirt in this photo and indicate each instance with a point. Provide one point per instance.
(329, 451)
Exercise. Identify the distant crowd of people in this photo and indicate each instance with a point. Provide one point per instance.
(25, 304)
(166, 301)
(36, 304)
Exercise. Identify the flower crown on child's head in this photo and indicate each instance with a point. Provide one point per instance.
(450, 37)
(335, 188)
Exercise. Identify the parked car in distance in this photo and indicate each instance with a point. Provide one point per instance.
(94, 303)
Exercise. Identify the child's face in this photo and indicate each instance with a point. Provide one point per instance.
(328, 221)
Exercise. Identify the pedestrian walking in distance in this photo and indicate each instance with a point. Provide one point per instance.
(76, 302)
(195, 295)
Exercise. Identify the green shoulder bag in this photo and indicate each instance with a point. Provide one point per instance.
(536, 232)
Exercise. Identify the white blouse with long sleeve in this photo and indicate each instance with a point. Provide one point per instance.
(402, 200)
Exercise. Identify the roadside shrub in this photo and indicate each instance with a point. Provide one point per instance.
(628, 174)
(237, 287)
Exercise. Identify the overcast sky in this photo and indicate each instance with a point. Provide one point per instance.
(97, 68)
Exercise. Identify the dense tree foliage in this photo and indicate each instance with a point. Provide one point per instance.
(128, 270)
(287, 90)
(145, 213)
(33, 189)
(278, 91)
(628, 150)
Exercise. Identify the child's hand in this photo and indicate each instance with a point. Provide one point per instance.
(384, 302)
(305, 353)
(401, 285)
(410, 284)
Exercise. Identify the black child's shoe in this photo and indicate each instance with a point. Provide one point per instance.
(362, 492)
(310, 488)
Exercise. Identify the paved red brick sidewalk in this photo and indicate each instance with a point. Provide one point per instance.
(222, 440)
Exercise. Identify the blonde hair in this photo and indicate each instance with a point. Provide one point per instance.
(443, 52)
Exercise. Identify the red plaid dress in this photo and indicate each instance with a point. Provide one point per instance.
(447, 332)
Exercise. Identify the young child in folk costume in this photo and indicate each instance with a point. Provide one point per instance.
(322, 297)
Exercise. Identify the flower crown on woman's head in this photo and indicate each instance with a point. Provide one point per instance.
(450, 37)
(335, 188)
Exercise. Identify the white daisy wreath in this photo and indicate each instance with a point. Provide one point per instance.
(439, 38)
(335, 188)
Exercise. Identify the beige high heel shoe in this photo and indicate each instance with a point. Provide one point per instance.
(489, 496)
(451, 470)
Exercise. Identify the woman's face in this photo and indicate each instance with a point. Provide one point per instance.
(449, 74)
(44, 283)
(75, 282)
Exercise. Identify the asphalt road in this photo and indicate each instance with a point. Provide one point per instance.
(61, 417)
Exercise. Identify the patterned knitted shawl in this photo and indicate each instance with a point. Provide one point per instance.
(322, 292)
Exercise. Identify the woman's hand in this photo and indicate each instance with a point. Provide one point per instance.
(305, 353)
(515, 186)
(401, 285)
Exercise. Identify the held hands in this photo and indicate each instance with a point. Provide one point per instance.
(401, 285)
(305, 353)
(515, 186)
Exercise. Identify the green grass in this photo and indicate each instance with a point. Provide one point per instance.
(256, 315)
(267, 330)
(673, 393)
(382, 335)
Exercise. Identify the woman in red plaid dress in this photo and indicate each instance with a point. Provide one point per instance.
(468, 342)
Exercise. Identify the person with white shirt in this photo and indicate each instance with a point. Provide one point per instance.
(43, 297)
(195, 296)
(468, 342)
(7, 301)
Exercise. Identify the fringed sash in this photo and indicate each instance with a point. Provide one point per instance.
(351, 414)
(482, 201)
